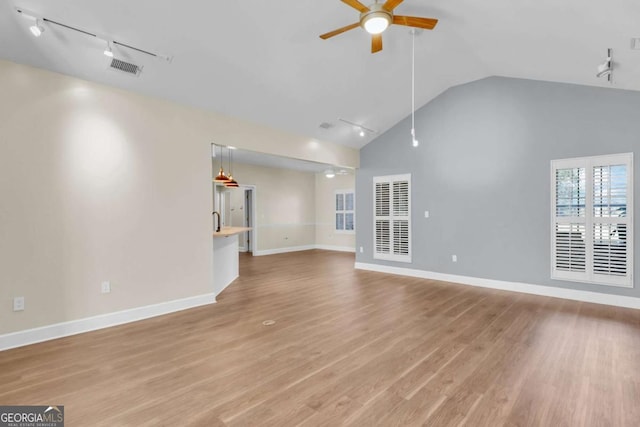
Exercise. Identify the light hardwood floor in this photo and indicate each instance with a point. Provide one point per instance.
(349, 348)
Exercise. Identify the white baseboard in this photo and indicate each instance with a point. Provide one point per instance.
(336, 248)
(73, 327)
(284, 250)
(549, 291)
(304, 248)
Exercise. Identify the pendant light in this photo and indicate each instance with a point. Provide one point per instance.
(414, 141)
(221, 176)
(232, 182)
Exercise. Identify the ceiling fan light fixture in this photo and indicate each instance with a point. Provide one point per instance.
(376, 19)
(376, 22)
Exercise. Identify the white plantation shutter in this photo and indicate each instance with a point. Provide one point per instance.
(591, 214)
(345, 211)
(392, 217)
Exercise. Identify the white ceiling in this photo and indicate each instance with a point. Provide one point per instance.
(264, 62)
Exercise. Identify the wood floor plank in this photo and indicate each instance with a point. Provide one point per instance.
(349, 347)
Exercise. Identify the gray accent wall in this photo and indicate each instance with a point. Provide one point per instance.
(482, 170)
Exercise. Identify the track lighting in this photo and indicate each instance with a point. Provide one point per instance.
(606, 68)
(108, 51)
(37, 29)
(360, 129)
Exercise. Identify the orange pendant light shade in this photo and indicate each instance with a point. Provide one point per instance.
(221, 177)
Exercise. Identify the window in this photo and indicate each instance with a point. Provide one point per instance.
(345, 211)
(392, 217)
(592, 220)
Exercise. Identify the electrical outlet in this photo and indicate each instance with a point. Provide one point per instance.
(18, 304)
(106, 287)
(454, 258)
(361, 249)
(426, 214)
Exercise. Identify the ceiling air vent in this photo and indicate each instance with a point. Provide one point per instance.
(125, 67)
(325, 125)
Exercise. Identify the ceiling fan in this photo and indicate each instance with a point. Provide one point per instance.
(377, 17)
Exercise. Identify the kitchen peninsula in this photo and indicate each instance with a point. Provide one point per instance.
(225, 257)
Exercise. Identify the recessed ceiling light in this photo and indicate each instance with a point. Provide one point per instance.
(362, 133)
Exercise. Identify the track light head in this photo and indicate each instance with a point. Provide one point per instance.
(606, 68)
(36, 29)
(108, 51)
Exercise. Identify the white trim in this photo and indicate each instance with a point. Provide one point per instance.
(344, 211)
(391, 218)
(284, 250)
(548, 291)
(304, 248)
(73, 327)
(336, 248)
(589, 275)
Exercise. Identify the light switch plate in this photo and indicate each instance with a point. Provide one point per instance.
(454, 258)
(106, 287)
(426, 214)
(18, 304)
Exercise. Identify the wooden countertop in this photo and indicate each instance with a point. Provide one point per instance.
(230, 231)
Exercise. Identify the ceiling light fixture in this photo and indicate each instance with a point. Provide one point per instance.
(108, 51)
(362, 130)
(222, 178)
(414, 141)
(37, 29)
(376, 19)
(606, 68)
(329, 173)
(232, 182)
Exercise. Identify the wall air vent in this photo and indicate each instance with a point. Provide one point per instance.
(125, 67)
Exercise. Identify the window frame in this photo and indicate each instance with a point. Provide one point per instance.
(344, 211)
(391, 218)
(590, 276)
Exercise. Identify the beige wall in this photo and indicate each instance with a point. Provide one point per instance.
(101, 184)
(326, 234)
(285, 205)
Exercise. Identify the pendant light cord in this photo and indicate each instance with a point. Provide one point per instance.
(413, 88)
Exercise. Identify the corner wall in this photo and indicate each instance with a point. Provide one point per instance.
(483, 172)
(326, 235)
(100, 184)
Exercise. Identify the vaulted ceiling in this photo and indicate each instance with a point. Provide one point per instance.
(264, 62)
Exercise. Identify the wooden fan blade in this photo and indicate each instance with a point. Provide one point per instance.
(414, 21)
(376, 43)
(391, 4)
(356, 5)
(339, 31)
